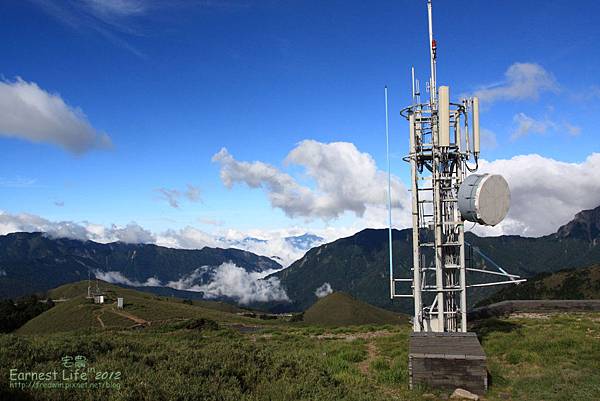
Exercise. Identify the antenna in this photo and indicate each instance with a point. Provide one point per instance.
(389, 191)
(412, 73)
(432, 56)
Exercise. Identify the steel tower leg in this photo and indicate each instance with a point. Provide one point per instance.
(415, 232)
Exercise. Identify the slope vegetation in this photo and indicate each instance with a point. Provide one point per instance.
(529, 359)
(339, 309)
(74, 312)
(568, 284)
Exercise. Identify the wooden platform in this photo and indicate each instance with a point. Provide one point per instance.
(447, 360)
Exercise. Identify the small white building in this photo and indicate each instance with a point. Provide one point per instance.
(99, 299)
(120, 303)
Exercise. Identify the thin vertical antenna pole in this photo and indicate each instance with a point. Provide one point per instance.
(412, 70)
(432, 56)
(436, 176)
(387, 150)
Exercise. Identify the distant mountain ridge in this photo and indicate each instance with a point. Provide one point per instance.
(33, 262)
(284, 250)
(300, 242)
(358, 265)
(585, 225)
(305, 241)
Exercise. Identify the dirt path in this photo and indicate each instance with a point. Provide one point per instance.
(99, 319)
(354, 336)
(129, 316)
(372, 353)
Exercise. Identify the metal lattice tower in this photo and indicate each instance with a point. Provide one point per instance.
(444, 138)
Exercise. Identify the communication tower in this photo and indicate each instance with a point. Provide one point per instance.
(444, 147)
(444, 138)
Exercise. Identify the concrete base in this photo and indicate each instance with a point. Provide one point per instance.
(447, 360)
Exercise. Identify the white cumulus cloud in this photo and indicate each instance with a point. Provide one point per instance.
(323, 290)
(29, 112)
(522, 81)
(546, 194)
(346, 180)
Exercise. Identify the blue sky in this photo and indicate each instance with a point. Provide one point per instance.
(171, 83)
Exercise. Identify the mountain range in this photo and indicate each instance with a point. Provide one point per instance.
(34, 262)
(357, 265)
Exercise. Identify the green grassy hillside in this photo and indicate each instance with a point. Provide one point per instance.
(339, 309)
(79, 313)
(567, 284)
(210, 361)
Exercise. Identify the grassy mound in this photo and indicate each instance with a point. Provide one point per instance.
(340, 309)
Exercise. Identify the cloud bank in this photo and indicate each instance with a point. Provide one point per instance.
(29, 112)
(231, 281)
(130, 233)
(545, 193)
(118, 278)
(225, 281)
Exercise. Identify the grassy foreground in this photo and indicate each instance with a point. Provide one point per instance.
(547, 358)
